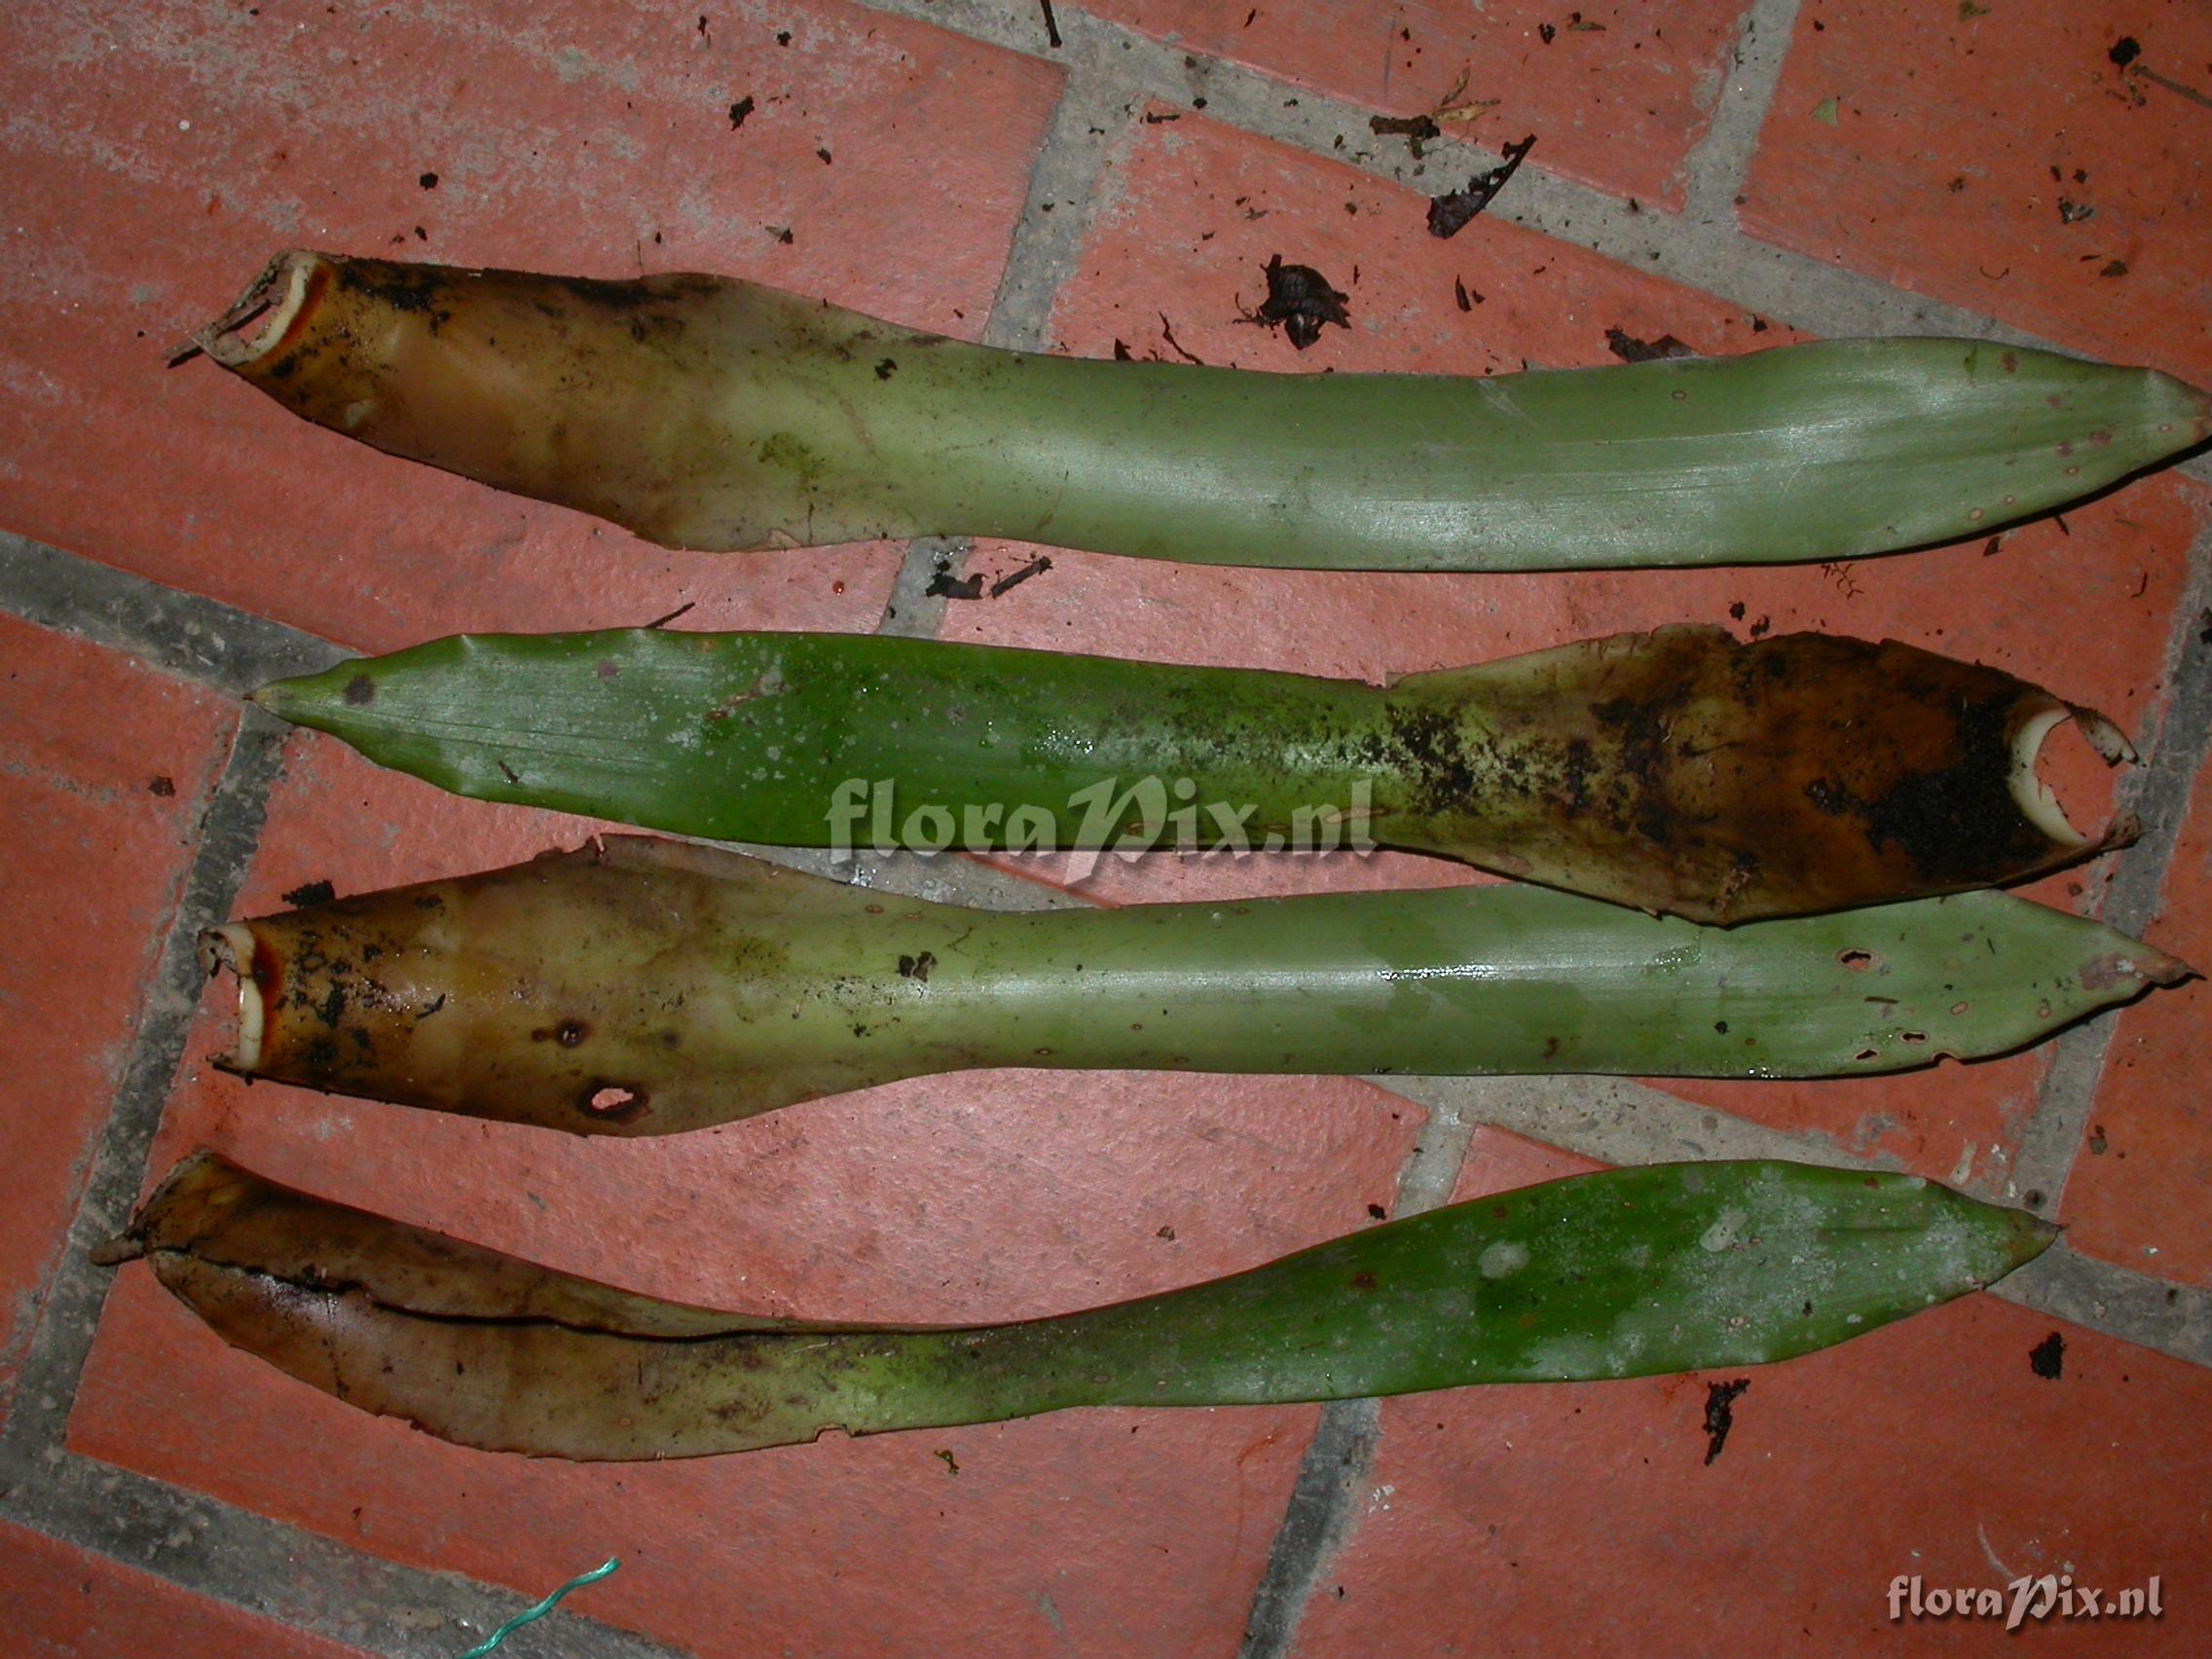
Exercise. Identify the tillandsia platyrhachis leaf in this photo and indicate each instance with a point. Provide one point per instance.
(1677, 771)
(646, 987)
(1627, 1273)
(711, 413)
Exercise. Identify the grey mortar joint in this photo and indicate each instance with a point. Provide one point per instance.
(1045, 251)
(2158, 794)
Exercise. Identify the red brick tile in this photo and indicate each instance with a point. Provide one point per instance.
(104, 769)
(1188, 187)
(1618, 95)
(1582, 1518)
(63, 1603)
(1963, 140)
(978, 1197)
(2136, 1196)
(163, 154)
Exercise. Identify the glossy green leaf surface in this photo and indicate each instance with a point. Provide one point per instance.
(1680, 771)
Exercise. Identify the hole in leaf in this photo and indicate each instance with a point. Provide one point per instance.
(1857, 961)
(614, 1101)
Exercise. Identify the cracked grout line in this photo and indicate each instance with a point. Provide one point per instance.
(230, 830)
(1323, 1510)
(2159, 795)
(2174, 1319)
(1721, 161)
(196, 638)
(295, 1577)
(1317, 1523)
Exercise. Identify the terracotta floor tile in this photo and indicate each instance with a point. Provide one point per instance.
(1584, 1519)
(63, 1603)
(1618, 95)
(104, 771)
(1997, 157)
(2137, 1193)
(163, 153)
(982, 1196)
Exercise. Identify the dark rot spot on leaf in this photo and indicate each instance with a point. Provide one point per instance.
(1299, 302)
(1363, 1281)
(916, 966)
(360, 692)
(2047, 1358)
(887, 368)
(311, 893)
(1448, 214)
(1720, 1414)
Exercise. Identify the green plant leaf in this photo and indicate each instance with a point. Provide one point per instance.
(646, 988)
(1628, 1273)
(708, 411)
(1677, 771)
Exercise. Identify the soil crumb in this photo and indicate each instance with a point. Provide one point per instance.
(1630, 349)
(1300, 301)
(1720, 1414)
(943, 584)
(1414, 129)
(2047, 1358)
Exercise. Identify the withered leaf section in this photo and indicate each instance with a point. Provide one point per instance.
(643, 988)
(713, 413)
(1677, 771)
(1628, 1273)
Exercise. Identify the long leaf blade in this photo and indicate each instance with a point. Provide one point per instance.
(642, 988)
(1678, 771)
(1628, 1273)
(707, 412)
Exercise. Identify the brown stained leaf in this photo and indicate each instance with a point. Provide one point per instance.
(1682, 771)
(560, 993)
(466, 1343)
